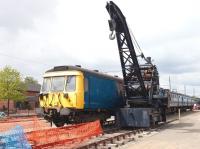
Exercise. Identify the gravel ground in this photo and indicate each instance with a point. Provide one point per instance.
(28, 124)
(180, 134)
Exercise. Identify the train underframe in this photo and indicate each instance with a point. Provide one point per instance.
(81, 116)
(73, 116)
(124, 117)
(175, 109)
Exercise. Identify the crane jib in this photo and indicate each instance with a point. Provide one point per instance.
(129, 63)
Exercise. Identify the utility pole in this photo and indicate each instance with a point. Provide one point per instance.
(185, 89)
(194, 92)
(170, 84)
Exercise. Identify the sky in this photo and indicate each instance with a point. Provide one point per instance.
(36, 35)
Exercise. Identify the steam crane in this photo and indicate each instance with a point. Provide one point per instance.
(144, 105)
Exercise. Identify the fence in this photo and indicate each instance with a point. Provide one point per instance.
(36, 134)
(68, 136)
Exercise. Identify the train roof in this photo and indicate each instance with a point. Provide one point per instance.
(78, 68)
(180, 94)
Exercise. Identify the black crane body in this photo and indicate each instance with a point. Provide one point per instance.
(141, 81)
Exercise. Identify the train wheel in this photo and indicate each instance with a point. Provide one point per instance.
(58, 122)
(163, 114)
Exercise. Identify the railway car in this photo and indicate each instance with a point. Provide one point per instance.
(178, 100)
(175, 101)
(71, 94)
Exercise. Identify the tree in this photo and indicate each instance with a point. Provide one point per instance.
(30, 80)
(11, 85)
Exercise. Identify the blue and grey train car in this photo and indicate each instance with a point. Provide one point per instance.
(71, 94)
(178, 100)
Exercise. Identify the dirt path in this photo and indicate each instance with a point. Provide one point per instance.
(183, 134)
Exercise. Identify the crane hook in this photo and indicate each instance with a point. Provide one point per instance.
(112, 35)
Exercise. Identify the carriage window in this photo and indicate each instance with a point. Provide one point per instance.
(119, 88)
(71, 83)
(46, 84)
(58, 83)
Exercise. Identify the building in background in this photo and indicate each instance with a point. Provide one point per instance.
(32, 95)
(31, 101)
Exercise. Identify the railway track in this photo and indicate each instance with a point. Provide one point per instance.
(112, 140)
(114, 137)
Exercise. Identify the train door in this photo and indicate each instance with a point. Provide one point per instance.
(179, 100)
(182, 101)
(187, 102)
(86, 92)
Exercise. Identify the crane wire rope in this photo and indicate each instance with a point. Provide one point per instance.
(138, 48)
(135, 41)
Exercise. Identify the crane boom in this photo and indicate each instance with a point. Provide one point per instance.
(137, 87)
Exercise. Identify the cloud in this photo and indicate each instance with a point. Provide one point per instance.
(176, 52)
(36, 35)
(20, 14)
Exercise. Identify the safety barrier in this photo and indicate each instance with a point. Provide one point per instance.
(68, 136)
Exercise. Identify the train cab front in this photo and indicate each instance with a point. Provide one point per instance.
(61, 94)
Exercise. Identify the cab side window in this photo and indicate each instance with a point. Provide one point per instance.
(71, 83)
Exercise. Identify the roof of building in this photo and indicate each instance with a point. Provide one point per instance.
(34, 87)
